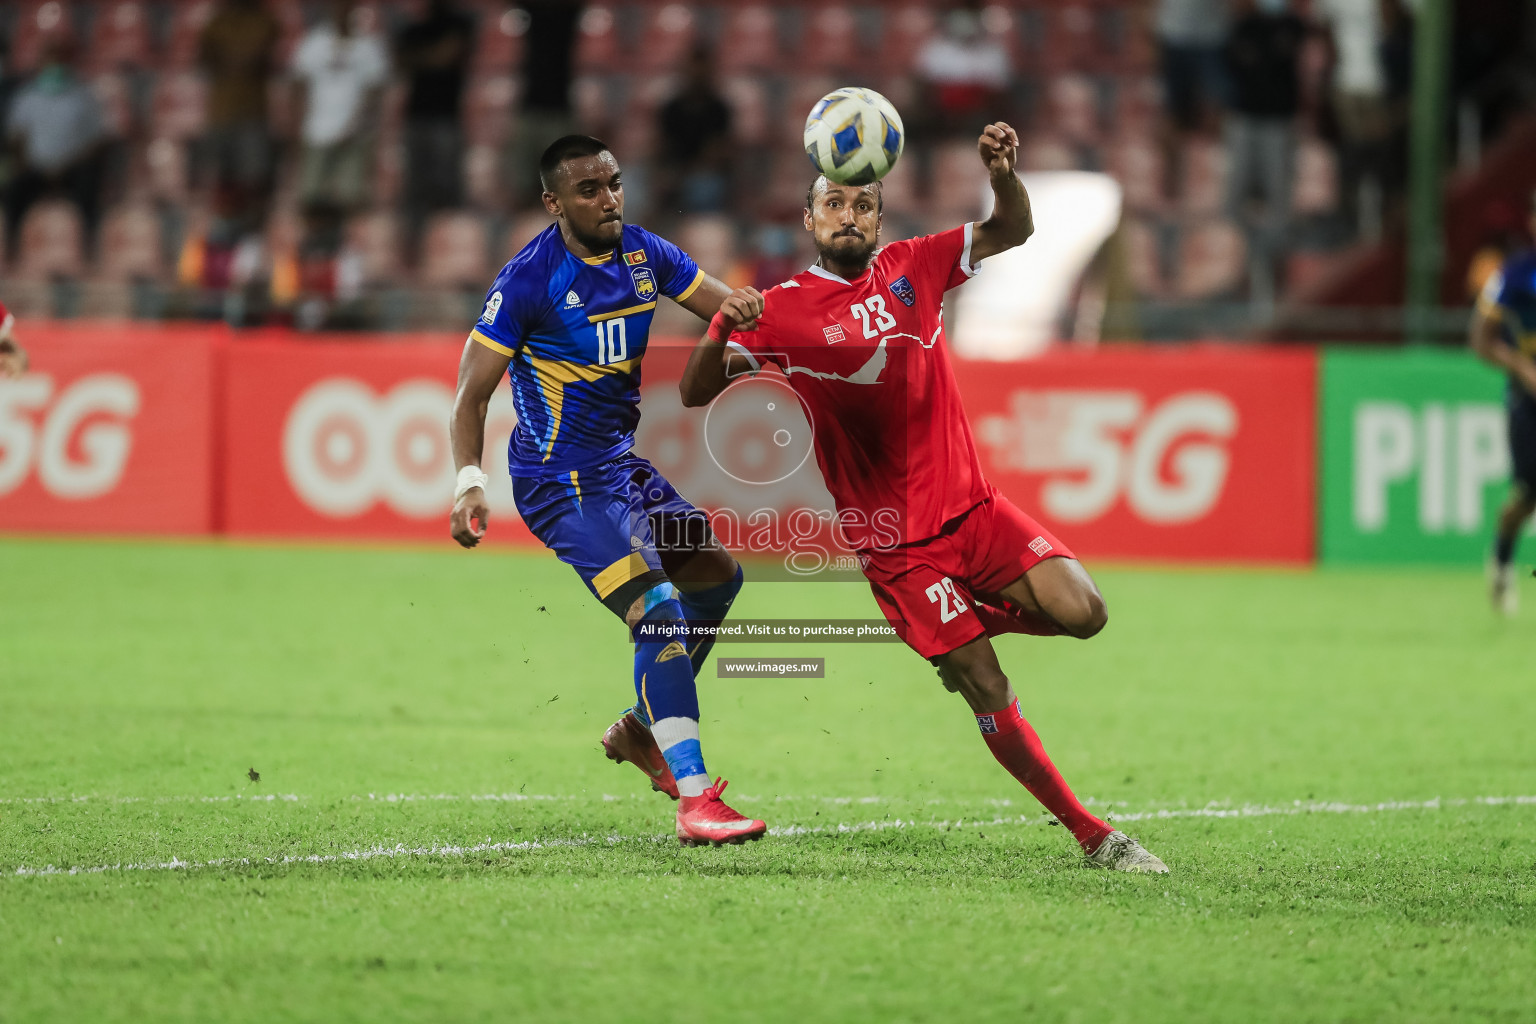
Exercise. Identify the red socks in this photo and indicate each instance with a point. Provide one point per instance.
(1018, 749)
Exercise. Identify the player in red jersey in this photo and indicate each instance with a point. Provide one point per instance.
(13, 358)
(952, 562)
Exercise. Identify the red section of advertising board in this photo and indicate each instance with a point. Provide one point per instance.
(1191, 453)
(350, 440)
(111, 431)
(1186, 453)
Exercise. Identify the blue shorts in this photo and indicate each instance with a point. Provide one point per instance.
(609, 521)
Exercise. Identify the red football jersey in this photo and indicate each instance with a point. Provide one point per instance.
(868, 359)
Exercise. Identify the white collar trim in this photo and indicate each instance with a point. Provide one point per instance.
(821, 271)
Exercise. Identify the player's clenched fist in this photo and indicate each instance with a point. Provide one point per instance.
(743, 306)
(470, 514)
(999, 147)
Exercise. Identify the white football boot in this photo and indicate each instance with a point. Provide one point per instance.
(1119, 852)
(1502, 589)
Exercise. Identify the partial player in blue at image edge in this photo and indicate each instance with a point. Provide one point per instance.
(1503, 334)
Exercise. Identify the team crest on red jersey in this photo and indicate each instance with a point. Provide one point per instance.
(834, 333)
(903, 290)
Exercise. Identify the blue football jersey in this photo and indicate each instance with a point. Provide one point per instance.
(1510, 298)
(576, 330)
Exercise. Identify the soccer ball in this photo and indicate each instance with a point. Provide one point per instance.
(853, 136)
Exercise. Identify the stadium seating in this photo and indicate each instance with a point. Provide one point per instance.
(830, 40)
(1205, 177)
(907, 29)
(52, 243)
(751, 107)
(1212, 260)
(598, 44)
(1135, 162)
(116, 91)
(36, 23)
(482, 175)
(749, 38)
(499, 39)
(120, 36)
(178, 105)
(377, 238)
(166, 171)
(453, 253)
(187, 21)
(1085, 96)
(668, 34)
(489, 108)
(131, 245)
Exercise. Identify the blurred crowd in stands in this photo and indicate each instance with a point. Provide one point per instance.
(370, 163)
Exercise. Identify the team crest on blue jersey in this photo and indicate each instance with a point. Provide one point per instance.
(903, 290)
(645, 282)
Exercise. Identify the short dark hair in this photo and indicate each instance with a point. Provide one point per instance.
(567, 147)
(822, 183)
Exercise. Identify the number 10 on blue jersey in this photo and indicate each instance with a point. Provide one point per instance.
(612, 344)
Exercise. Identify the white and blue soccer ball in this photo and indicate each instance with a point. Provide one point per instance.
(854, 136)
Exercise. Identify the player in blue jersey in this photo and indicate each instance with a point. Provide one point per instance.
(568, 319)
(1503, 334)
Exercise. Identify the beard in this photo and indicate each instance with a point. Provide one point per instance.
(848, 250)
(598, 241)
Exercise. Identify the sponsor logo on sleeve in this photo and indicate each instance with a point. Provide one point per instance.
(1040, 546)
(492, 306)
(987, 723)
(903, 290)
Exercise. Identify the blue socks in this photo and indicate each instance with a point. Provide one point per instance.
(668, 700)
(708, 607)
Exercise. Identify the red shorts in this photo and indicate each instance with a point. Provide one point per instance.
(928, 589)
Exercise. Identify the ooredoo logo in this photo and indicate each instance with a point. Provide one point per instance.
(1169, 462)
(79, 444)
(345, 448)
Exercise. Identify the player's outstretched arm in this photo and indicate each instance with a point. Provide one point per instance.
(1012, 221)
(706, 298)
(711, 366)
(480, 370)
(1483, 336)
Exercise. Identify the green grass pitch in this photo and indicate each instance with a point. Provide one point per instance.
(915, 881)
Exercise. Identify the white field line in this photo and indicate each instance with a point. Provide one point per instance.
(1214, 808)
(393, 798)
(1296, 807)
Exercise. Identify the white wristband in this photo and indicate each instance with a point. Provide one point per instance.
(470, 477)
